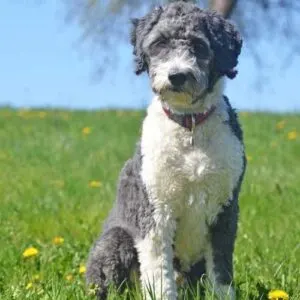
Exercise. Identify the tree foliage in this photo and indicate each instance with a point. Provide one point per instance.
(105, 22)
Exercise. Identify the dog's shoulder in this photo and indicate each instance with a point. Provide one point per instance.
(130, 182)
(132, 166)
(132, 209)
(233, 120)
(236, 129)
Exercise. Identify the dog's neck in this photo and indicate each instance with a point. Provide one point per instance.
(189, 120)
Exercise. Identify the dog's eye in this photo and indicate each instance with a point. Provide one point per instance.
(201, 50)
(159, 43)
(158, 46)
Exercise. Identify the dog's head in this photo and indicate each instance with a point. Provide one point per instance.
(185, 50)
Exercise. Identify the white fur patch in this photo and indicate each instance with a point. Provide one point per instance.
(187, 186)
(156, 266)
(181, 62)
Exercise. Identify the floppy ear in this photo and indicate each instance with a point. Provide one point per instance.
(140, 62)
(225, 42)
(140, 28)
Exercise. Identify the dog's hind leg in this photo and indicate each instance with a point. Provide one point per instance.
(111, 261)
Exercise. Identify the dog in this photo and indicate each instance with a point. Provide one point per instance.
(177, 197)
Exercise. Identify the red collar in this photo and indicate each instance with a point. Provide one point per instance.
(189, 121)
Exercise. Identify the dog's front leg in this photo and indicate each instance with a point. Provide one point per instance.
(156, 262)
(220, 251)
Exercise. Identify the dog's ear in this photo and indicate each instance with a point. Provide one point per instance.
(140, 62)
(140, 28)
(226, 43)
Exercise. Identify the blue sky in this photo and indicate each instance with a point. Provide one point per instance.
(43, 64)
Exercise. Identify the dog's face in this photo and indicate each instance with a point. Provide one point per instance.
(179, 62)
(185, 50)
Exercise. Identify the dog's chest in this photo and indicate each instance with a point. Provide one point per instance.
(192, 181)
(173, 168)
(192, 232)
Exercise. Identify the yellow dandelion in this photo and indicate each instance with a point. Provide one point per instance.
(280, 124)
(292, 135)
(30, 252)
(42, 114)
(69, 277)
(249, 157)
(86, 130)
(58, 240)
(95, 184)
(278, 295)
(82, 269)
(29, 286)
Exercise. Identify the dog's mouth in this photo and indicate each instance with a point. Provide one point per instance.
(181, 96)
(187, 95)
(176, 89)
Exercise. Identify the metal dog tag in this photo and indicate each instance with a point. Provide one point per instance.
(192, 130)
(192, 140)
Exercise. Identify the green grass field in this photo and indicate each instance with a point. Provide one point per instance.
(58, 180)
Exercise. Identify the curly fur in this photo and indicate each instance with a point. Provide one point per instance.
(141, 28)
(224, 38)
(176, 209)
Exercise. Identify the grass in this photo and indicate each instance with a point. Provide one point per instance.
(58, 178)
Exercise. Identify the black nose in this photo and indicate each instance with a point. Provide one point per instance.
(177, 79)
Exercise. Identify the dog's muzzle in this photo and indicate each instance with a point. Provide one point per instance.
(178, 79)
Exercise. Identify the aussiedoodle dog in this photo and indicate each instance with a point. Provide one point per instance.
(177, 200)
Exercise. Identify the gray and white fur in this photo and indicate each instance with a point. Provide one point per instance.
(177, 202)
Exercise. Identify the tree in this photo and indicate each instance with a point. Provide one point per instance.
(105, 21)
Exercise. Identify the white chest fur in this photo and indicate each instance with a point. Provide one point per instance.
(191, 181)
